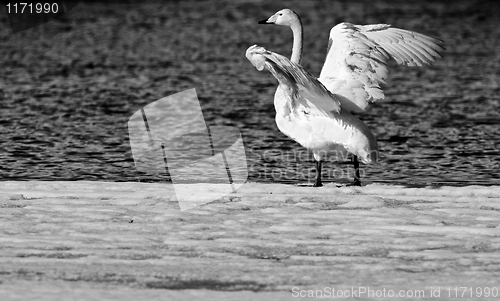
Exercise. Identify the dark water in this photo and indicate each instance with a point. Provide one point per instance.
(68, 88)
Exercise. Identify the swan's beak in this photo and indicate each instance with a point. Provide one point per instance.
(266, 21)
(271, 20)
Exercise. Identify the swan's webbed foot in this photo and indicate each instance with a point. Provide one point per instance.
(318, 184)
(356, 182)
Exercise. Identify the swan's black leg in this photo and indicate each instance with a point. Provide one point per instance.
(357, 178)
(318, 174)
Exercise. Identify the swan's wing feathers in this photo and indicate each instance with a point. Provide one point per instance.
(355, 67)
(356, 61)
(302, 86)
(406, 47)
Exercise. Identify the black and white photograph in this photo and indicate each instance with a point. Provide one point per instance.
(250, 150)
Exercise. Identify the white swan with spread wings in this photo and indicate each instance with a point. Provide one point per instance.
(353, 72)
(308, 113)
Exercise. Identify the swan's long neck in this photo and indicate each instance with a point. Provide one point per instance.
(297, 41)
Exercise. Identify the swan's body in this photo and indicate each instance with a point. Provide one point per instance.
(334, 132)
(308, 113)
(315, 114)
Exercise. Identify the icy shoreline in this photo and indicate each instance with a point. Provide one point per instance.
(267, 238)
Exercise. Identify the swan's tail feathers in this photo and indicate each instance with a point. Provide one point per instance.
(365, 145)
(299, 83)
(368, 156)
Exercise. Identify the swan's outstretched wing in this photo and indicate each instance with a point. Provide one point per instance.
(357, 55)
(303, 88)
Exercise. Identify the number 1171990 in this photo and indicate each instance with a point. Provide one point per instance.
(30, 8)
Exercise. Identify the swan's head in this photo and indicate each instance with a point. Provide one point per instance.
(285, 17)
